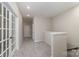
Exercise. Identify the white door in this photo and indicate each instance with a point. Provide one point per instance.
(7, 31)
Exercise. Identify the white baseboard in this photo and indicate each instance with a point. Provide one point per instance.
(38, 40)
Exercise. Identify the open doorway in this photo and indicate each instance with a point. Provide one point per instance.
(27, 28)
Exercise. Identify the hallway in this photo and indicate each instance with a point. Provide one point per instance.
(50, 29)
(31, 49)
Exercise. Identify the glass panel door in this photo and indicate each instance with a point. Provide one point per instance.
(7, 31)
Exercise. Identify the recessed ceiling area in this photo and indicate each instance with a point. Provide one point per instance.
(44, 9)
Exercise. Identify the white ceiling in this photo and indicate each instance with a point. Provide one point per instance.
(44, 9)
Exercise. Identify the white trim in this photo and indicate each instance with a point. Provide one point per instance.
(17, 33)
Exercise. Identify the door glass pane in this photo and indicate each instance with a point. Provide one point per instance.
(4, 34)
(0, 35)
(0, 47)
(0, 9)
(13, 47)
(0, 21)
(7, 43)
(7, 52)
(7, 14)
(4, 55)
(4, 45)
(4, 23)
(13, 33)
(12, 40)
(4, 11)
(7, 23)
(7, 34)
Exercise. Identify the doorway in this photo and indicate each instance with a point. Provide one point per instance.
(27, 27)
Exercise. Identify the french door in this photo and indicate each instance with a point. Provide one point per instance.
(7, 31)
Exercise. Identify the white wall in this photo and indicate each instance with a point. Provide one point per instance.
(40, 25)
(19, 25)
(68, 22)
